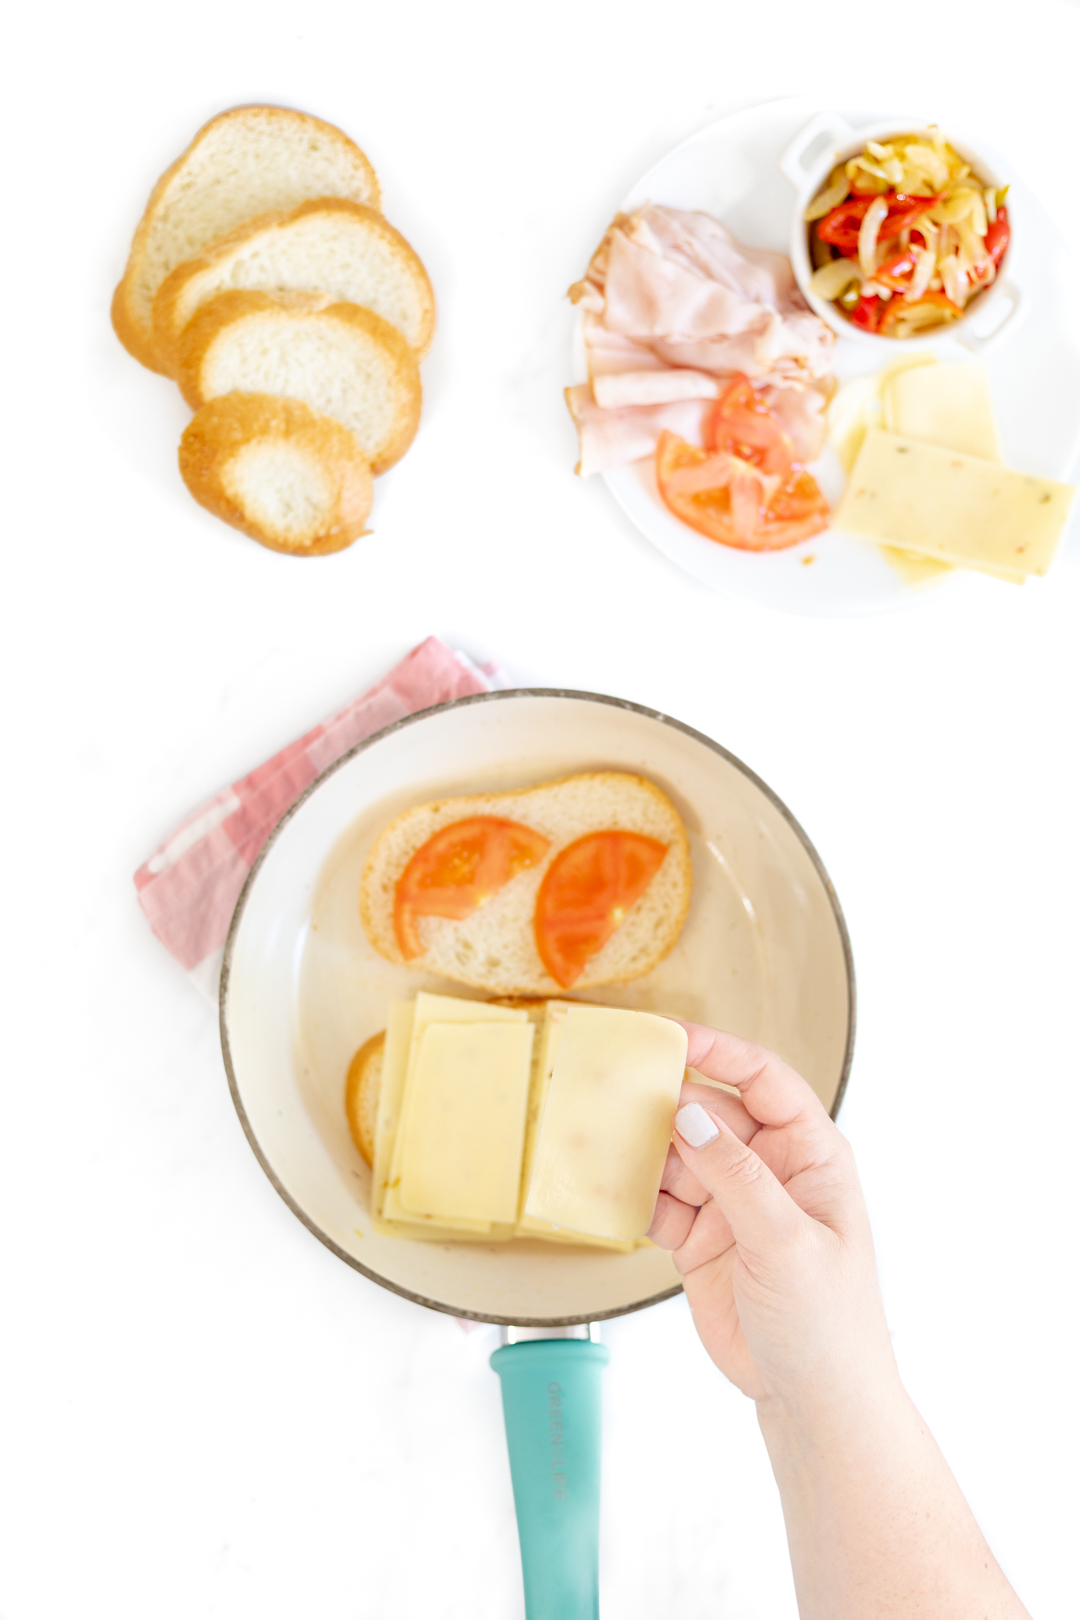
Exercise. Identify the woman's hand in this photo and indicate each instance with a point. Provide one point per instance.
(768, 1227)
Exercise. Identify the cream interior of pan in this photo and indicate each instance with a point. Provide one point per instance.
(761, 954)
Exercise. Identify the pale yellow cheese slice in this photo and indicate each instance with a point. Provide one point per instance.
(951, 507)
(445, 1010)
(464, 1132)
(528, 1226)
(606, 1124)
(399, 1024)
(946, 405)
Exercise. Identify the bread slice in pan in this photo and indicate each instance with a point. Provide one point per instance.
(495, 947)
(362, 1094)
(340, 359)
(329, 246)
(243, 162)
(277, 470)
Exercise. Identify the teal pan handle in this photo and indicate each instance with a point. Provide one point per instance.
(551, 1403)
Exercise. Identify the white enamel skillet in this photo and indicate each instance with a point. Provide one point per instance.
(764, 952)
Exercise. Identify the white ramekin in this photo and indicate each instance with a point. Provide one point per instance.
(829, 139)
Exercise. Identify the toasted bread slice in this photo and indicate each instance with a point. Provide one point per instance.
(342, 360)
(495, 948)
(243, 162)
(290, 478)
(329, 246)
(362, 1094)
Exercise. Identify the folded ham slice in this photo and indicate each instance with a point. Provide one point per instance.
(673, 306)
(611, 438)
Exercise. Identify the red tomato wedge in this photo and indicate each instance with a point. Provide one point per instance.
(587, 891)
(730, 500)
(741, 424)
(458, 869)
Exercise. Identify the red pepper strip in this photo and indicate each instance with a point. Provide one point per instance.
(907, 211)
(867, 313)
(840, 227)
(897, 272)
(997, 237)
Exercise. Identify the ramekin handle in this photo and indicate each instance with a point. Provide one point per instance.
(823, 123)
(1005, 292)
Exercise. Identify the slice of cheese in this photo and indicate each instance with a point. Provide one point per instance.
(606, 1124)
(952, 507)
(946, 405)
(399, 1025)
(528, 1226)
(546, 1048)
(464, 1131)
(431, 1009)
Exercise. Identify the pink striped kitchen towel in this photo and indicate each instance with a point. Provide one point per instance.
(189, 887)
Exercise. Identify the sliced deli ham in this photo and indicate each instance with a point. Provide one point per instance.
(611, 438)
(673, 307)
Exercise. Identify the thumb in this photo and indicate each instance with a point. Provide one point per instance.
(757, 1208)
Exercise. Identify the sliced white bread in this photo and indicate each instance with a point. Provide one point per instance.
(340, 359)
(243, 162)
(495, 948)
(330, 246)
(362, 1085)
(282, 473)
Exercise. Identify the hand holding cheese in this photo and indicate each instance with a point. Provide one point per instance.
(762, 1207)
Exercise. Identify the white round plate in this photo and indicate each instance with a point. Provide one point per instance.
(763, 952)
(731, 170)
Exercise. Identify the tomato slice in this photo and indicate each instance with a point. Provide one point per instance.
(587, 891)
(741, 424)
(745, 507)
(458, 869)
(797, 500)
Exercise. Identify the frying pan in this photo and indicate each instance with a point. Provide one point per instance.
(764, 952)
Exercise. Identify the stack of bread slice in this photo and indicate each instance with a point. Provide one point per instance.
(265, 280)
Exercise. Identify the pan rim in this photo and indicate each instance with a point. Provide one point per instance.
(365, 743)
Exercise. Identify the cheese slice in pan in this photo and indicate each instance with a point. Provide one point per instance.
(952, 507)
(399, 1026)
(431, 1009)
(606, 1124)
(464, 1130)
(547, 1045)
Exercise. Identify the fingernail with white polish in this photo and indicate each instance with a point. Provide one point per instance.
(694, 1125)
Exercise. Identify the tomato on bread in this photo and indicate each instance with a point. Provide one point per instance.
(586, 894)
(459, 869)
(454, 886)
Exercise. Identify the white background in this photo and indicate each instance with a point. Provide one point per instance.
(204, 1412)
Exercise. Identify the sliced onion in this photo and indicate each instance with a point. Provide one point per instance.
(923, 162)
(920, 318)
(831, 280)
(827, 200)
(868, 234)
(980, 221)
(953, 280)
(925, 260)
